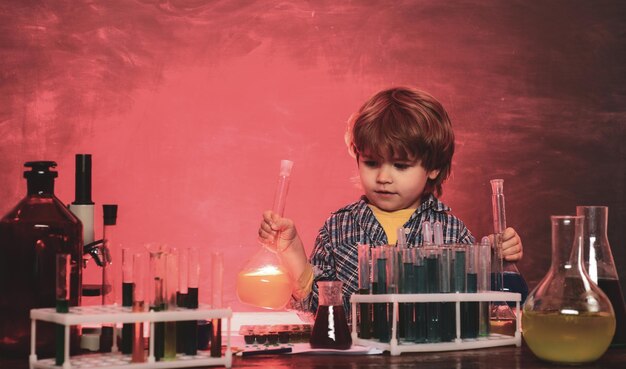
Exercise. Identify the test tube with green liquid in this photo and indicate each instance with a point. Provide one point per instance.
(365, 309)
(63, 268)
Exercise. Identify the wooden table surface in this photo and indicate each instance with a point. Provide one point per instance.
(499, 357)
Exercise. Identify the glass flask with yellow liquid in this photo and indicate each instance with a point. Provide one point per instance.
(567, 318)
(264, 282)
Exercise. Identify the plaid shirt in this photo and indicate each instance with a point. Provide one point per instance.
(335, 254)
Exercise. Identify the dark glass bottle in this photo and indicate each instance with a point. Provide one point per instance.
(31, 235)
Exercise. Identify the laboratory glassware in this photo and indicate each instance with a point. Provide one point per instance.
(506, 276)
(601, 266)
(127, 298)
(31, 235)
(217, 281)
(63, 272)
(330, 329)
(264, 282)
(365, 310)
(567, 318)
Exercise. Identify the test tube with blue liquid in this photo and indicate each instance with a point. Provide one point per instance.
(421, 286)
(448, 309)
(409, 285)
(379, 280)
(365, 309)
(469, 310)
(433, 309)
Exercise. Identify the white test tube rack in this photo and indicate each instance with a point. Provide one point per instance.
(396, 347)
(118, 314)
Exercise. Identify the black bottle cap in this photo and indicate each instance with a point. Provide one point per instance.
(40, 169)
(109, 211)
(83, 180)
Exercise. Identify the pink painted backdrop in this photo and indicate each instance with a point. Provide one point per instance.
(187, 107)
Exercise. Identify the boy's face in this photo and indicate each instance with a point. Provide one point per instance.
(392, 184)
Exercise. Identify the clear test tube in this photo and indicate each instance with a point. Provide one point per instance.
(484, 284)
(157, 294)
(365, 309)
(193, 280)
(63, 272)
(448, 309)
(171, 291)
(499, 225)
(217, 282)
(139, 275)
(427, 234)
(470, 310)
(127, 298)
(421, 286)
(433, 309)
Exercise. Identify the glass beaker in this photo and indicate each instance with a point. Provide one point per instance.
(330, 330)
(264, 282)
(567, 318)
(600, 265)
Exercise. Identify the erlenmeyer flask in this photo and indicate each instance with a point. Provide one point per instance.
(264, 282)
(600, 265)
(330, 330)
(567, 318)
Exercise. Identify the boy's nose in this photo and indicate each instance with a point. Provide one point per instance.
(384, 175)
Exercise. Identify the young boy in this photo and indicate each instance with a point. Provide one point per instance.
(403, 142)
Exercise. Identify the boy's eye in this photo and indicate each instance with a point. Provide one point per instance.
(370, 163)
(401, 166)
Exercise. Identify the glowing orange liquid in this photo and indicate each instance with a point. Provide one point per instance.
(270, 290)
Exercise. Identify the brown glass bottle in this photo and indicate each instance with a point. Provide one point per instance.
(31, 235)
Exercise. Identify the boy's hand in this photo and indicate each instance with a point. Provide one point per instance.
(281, 235)
(274, 226)
(512, 249)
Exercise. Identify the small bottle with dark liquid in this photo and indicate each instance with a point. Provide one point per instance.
(330, 330)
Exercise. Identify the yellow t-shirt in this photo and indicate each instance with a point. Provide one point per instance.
(391, 221)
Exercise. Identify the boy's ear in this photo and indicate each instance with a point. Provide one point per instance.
(433, 174)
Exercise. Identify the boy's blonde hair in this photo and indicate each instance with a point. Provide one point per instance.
(405, 124)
